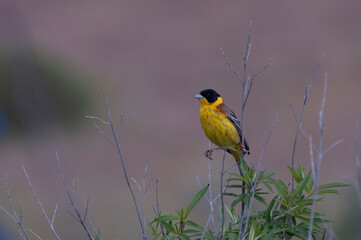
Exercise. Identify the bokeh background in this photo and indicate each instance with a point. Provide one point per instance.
(152, 57)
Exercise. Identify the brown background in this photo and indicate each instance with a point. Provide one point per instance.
(152, 57)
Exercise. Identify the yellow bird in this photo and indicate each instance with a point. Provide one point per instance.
(221, 125)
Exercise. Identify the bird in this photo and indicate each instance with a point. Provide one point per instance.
(221, 125)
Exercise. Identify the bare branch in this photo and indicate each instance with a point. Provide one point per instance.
(56, 208)
(358, 161)
(255, 183)
(35, 234)
(39, 203)
(222, 193)
(98, 119)
(319, 157)
(117, 144)
(231, 66)
(311, 156)
(14, 217)
(87, 207)
(73, 200)
(121, 126)
(104, 134)
(333, 145)
(263, 68)
(94, 229)
(157, 202)
(299, 125)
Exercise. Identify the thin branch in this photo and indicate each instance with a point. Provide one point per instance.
(213, 203)
(210, 196)
(142, 224)
(263, 68)
(319, 157)
(222, 195)
(333, 145)
(299, 125)
(35, 234)
(157, 202)
(87, 207)
(104, 134)
(358, 161)
(255, 183)
(14, 217)
(248, 51)
(94, 229)
(39, 203)
(73, 200)
(56, 208)
(98, 119)
(252, 77)
(231, 66)
(311, 156)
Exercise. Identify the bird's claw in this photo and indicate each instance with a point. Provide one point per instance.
(208, 154)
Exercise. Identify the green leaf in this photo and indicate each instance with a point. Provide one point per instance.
(295, 174)
(269, 209)
(168, 227)
(300, 186)
(281, 190)
(189, 231)
(195, 225)
(237, 200)
(332, 191)
(309, 185)
(196, 199)
(260, 199)
(183, 237)
(333, 185)
(267, 186)
(168, 218)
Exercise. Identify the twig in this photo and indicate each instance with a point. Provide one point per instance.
(73, 200)
(299, 122)
(35, 234)
(211, 205)
(104, 134)
(358, 162)
(117, 144)
(319, 157)
(39, 203)
(87, 207)
(255, 184)
(14, 216)
(98, 119)
(311, 156)
(157, 202)
(56, 208)
(94, 229)
(213, 202)
(143, 189)
(231, 66)
(253, 76)
(222, 195)
(247, 83)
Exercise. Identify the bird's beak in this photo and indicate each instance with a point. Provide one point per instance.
(198, 96)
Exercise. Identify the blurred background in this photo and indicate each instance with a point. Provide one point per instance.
(152, 57)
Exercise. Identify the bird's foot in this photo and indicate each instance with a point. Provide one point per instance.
(208, 154)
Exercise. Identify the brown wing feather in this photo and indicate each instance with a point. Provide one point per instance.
(234, 120)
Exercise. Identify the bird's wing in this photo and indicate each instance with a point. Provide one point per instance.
(236, 123)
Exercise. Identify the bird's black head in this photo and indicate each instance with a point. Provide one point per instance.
(210, 95)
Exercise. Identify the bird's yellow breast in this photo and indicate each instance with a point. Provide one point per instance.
(218, 127)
